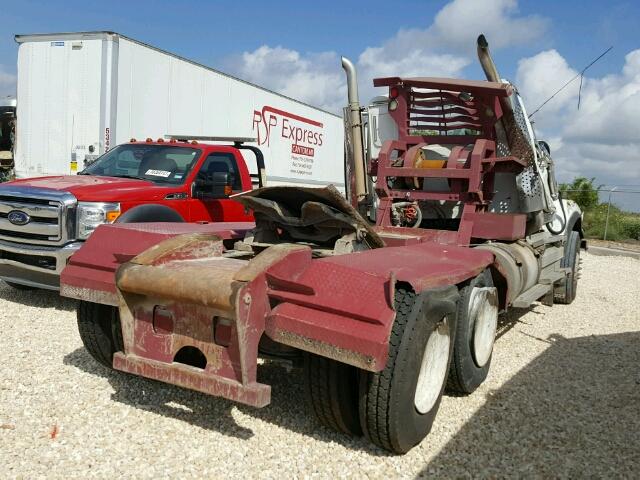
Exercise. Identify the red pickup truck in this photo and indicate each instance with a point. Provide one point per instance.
(43, 221)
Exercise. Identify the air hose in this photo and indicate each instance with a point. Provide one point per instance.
(564, 218)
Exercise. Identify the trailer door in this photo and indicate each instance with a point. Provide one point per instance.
(59, 99)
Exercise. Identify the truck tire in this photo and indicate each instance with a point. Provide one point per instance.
(477, 322)
(398, 404)
(332, 393)
(99, 328)
(565, 290)
(149, 213)
(19, 286)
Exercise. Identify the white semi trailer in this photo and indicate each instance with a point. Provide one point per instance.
(80, 94)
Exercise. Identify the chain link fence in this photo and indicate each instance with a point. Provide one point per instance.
(616, 216)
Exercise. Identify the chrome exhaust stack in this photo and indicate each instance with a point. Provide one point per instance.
(355, 122)
(490, 69)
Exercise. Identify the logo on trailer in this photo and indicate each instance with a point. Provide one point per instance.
(18, 217)
(305, 134)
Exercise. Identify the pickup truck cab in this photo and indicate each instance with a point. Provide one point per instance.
(43, 221)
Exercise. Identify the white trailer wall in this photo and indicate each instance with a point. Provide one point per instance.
(79, 92)
(58, 114)
(160, 94)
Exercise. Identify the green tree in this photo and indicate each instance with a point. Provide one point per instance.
(582, 191)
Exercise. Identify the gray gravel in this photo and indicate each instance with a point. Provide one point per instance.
(562, 399)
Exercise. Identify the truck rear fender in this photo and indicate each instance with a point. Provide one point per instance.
(342, 307)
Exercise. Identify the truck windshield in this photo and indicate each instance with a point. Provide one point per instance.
(162, 164)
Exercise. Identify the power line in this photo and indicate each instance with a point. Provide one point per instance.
(580, 74)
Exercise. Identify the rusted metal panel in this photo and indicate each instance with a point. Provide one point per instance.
(456, 85)
(254, 394)
(90, 274)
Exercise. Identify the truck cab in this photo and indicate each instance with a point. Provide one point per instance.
(43, 221)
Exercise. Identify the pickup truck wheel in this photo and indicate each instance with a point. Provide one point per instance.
(565, 290)
(476, 331)
(18, 286)
(332, 393)
(398, 404)
(99, 328)
(149, 213)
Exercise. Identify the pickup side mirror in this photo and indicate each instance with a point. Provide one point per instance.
(215, 185)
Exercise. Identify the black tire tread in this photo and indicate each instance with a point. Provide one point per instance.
(332, 398)
(565, 293)
(95, 329)
(375, 414)
(455, 381)
(20, 287)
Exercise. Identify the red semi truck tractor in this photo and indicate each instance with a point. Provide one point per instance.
(468, 223)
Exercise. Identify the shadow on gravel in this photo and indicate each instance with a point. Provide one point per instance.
(36, 298)
(572, 412)
(287, 410)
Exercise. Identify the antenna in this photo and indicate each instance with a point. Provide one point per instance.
(580, 74)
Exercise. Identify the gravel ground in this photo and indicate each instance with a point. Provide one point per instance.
(562, 399)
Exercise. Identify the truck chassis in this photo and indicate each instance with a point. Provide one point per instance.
(386, 315)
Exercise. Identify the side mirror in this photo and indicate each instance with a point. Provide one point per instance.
(216, 185)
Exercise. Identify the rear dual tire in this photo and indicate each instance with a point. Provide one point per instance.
(477, 313)
(99, 329)
(395, 407)
(565, 290)
(19, 286)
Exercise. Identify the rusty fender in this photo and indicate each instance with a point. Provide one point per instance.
(182, 291)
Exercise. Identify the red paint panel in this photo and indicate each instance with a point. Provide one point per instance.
(497, 226)
(424, 265)
(358, 340)
(341, 290)
(93, 266)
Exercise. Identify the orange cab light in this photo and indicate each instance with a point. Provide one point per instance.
(173, 140)
(161, 140)
(149, 140)
(111, 216)
(133, 140)
(194, 142)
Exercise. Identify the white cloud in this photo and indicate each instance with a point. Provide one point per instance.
(540, 76)
(7, 82)
(314, 78)
(443, 48)
(602, 138)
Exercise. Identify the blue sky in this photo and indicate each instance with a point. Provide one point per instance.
(294, 46)
(209, 31)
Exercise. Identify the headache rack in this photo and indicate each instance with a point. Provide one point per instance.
(468, 118)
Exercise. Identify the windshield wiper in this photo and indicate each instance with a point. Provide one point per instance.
(130, 176)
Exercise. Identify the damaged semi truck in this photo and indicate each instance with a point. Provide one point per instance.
(387, 314)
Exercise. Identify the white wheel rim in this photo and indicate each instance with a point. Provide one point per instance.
(483, 312)
(433, 368)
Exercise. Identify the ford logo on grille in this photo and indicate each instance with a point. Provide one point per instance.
(18, 218)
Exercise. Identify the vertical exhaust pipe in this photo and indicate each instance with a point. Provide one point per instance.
(490, 69)
(355, 120)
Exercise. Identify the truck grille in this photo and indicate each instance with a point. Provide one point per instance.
(45, 213)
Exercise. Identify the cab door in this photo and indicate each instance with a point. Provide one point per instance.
(202, 206)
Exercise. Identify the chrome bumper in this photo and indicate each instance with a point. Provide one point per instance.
(34, 265)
